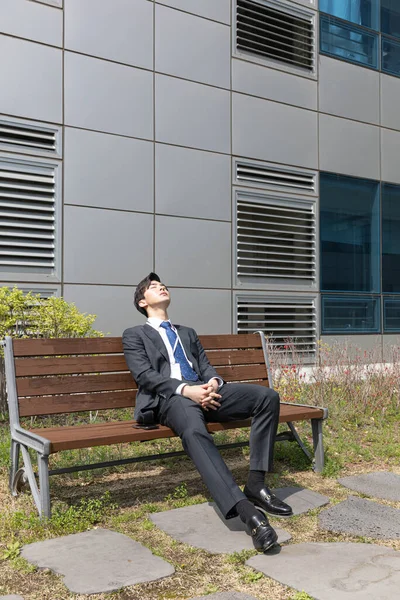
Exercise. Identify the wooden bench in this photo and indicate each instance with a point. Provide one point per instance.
(63, 376)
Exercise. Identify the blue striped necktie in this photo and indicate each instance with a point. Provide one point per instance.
(186, 370)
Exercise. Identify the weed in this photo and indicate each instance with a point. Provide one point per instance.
(301, 596)
(251, 576)
(12, 551)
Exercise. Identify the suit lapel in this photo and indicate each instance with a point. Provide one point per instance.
(156, 339)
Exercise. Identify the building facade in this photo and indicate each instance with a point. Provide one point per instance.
(248, 151)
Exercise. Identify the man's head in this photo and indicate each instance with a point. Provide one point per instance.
(150, 292)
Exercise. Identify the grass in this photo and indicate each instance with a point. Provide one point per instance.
(123, 499)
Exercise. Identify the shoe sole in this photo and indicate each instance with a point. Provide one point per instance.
(271, 514)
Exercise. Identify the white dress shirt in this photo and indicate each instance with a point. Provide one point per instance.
(155, 322)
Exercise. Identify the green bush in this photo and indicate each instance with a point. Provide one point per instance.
(25, 315)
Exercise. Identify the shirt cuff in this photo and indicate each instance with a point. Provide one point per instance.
(179, 389)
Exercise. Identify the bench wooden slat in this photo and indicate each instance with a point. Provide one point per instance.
(64, 346)
(112, 345)
(102, 434)
(37, 386)
(105, 434)
(69, 403)
(230, 341)
(70, 365)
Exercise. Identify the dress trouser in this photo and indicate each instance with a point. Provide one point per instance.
(238, 401)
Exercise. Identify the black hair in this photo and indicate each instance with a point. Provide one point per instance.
(141, 287)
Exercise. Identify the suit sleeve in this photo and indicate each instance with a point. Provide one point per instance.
(141, 368)
(206, 369)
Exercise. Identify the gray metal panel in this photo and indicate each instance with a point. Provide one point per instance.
(106, 246)
(57, 3)
(108, 171)
(120, 30)
(349, 91)
(193, 48)
(271, 84)
(390, 153)
(193, 252)
(208, 311)
(391, 344)
(108, 97)
(112, 304)
(31, 21)
(271, 131)
(31, 80)
(218, 10)
(191, 114)
(356, 345)
(348, 147)
(192, 183)
(390, 94)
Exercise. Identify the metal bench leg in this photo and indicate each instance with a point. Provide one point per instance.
(318, 442)
(44, 486)
(299, 440)
(14, 456)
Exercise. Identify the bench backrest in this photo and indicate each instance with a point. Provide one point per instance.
(58, 376)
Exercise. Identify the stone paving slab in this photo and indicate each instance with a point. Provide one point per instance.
(335, 571)
(300, 499)
(12, 597)
(203, 526)
(358, 516)
(380, 484)
(97, 561)
(225, 596)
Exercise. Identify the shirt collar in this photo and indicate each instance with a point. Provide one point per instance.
(156, 322)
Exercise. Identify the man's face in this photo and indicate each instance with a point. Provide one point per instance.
(157, 294)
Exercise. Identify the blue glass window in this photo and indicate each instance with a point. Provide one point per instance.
(390, 238)
(349, 42)
(345, 314)
(391, 314)
(390, 62)
(349, 229)
(360, 12)
(390, 17)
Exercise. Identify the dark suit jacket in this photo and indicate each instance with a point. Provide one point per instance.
(147, 359)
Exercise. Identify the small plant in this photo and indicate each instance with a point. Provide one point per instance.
(251, 577)
(180, 493)
(301, 596)
(12, 551)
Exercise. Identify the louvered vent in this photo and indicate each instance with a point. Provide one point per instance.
(276, 241)
(27, 217)
(286, 322)
(275, 178)
(28, 137)
(283, 35)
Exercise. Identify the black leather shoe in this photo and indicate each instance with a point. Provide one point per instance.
(264, 537)
(268, 503)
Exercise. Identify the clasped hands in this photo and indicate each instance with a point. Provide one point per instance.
(204, 394)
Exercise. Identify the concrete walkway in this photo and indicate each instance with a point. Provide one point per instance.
(104, 561)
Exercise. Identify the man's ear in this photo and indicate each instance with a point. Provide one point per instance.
(142, 303)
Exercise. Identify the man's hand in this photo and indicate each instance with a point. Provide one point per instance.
(203, 394)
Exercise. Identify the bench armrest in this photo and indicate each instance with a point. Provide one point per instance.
(325, 410)
(30, 439)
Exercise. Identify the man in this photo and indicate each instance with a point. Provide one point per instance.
(178, 387)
